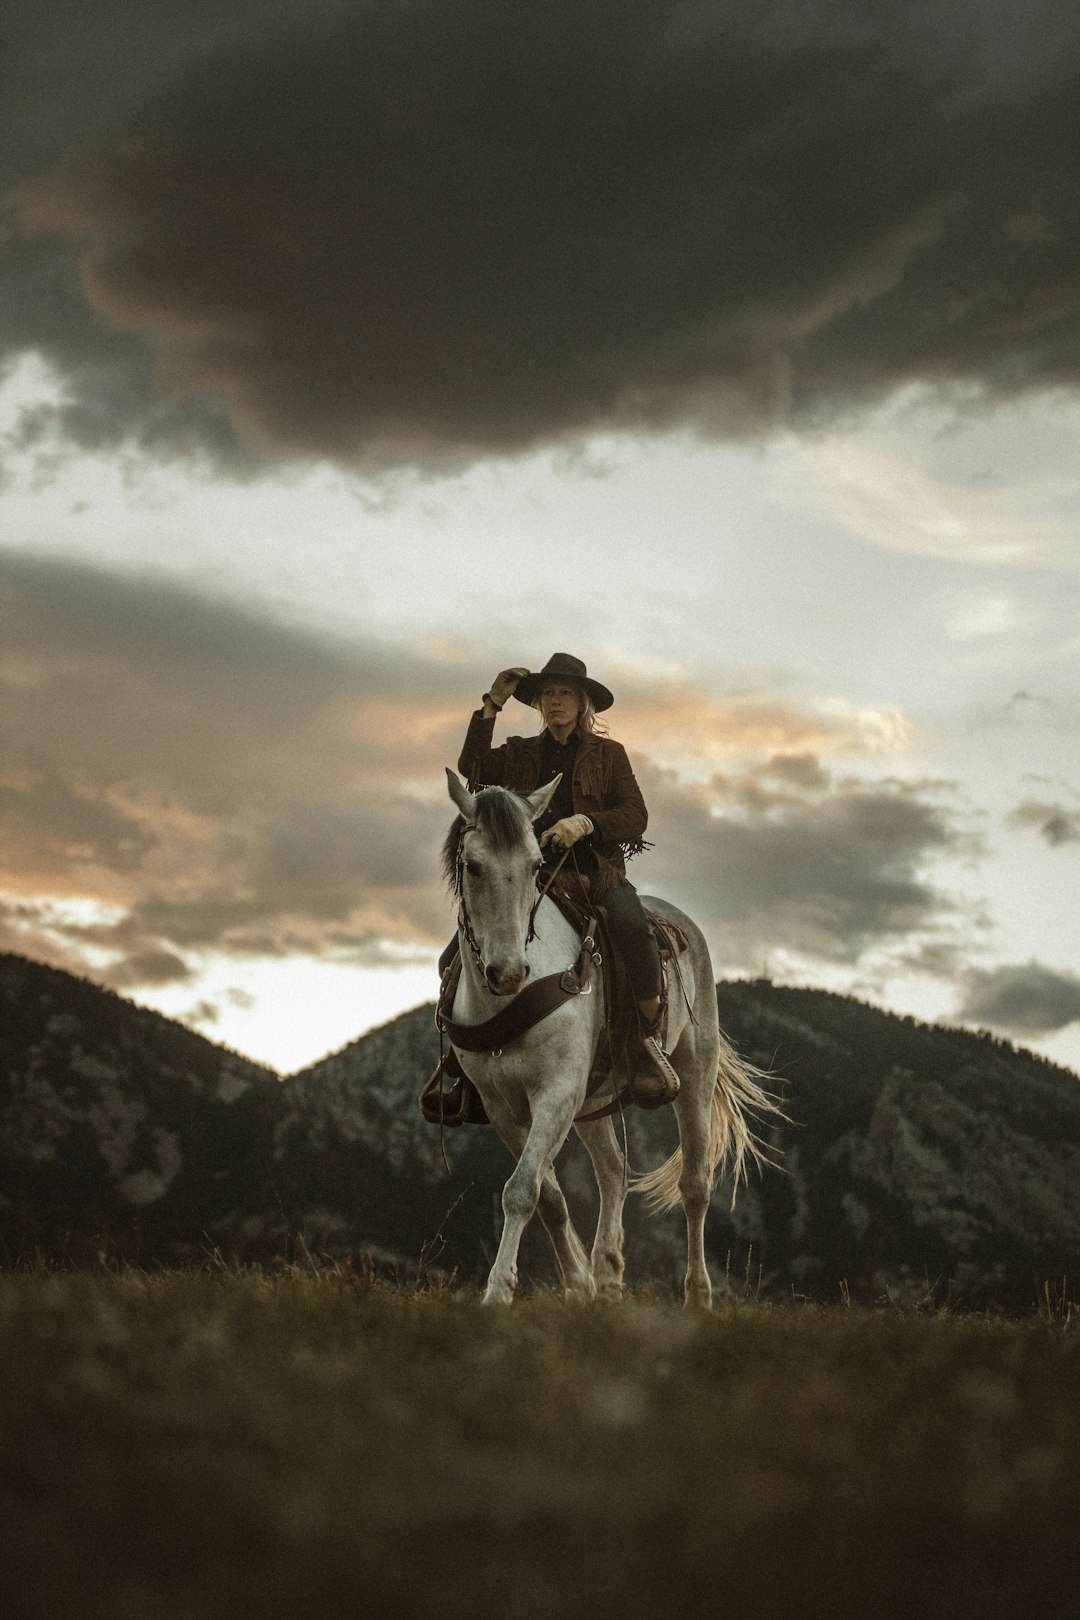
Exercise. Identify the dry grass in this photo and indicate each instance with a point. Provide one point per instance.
(308, 1444)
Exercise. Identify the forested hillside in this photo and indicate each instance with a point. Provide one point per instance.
(918, 1161)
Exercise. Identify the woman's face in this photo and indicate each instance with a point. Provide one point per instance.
(560, 705)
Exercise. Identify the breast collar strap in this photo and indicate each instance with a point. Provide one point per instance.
(536, 1001)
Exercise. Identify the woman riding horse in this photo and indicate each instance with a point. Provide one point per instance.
(597, 813)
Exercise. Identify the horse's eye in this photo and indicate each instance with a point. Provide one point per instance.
(473, 868)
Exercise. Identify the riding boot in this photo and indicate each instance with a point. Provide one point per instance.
(658, 1084)
(458, 1104)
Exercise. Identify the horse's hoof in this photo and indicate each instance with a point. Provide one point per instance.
(499, 1294)
(697, 1298)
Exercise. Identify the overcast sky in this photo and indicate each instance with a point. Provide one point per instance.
(354, 351)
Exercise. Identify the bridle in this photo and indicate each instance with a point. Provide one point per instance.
(464, 920)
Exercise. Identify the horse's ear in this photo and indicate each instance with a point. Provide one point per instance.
(539, 801)
(461, 796)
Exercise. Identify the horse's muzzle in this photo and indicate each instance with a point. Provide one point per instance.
(506, 983)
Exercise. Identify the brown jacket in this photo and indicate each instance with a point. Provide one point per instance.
(604, 787)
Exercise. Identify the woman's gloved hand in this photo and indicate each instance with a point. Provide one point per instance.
(504, 683)
(567, 832)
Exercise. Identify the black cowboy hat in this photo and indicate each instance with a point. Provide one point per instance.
(568, 668)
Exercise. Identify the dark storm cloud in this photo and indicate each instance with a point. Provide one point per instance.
(1058, 824)
(830, 871)
(69, 68)
(1025, 999)
(148, 968)
(803, 771)
(430, 232)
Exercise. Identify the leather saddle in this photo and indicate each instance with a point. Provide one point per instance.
(619, 1049)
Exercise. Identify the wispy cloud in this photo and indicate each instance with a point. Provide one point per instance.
(893, 500)
(677, 723)
(985, 615)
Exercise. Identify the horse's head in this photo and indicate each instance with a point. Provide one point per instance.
(491, 858)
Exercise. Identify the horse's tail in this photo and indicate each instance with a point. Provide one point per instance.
(739, 1091)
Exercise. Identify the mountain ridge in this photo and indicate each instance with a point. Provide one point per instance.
(920, 1158)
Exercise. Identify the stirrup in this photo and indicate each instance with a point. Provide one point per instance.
(459, 1104)
(656, 1089)
(659, 1085)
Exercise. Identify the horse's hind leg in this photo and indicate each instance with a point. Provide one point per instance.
(609, 1167)
(569, 1250)
(549, 1201)
(693, 1107)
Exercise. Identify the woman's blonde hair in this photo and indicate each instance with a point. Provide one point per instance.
(587, 719)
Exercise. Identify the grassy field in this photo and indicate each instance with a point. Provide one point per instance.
(191, 1445)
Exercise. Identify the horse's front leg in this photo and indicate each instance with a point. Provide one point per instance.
(533, 1182)
(570, 1256)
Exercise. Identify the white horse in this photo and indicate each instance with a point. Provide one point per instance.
(534, 1089)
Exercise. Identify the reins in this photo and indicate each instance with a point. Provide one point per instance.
(463, 912)
(542, 890)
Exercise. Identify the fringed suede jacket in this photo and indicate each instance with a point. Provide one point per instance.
(604, 789)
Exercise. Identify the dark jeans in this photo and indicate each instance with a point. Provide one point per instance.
(633, 937)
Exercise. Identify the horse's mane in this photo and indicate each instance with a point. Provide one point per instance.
(500, 815)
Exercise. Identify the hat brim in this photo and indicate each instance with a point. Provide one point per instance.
(528, 689)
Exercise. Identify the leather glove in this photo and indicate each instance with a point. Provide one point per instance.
(504, 683)
(567, 832)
